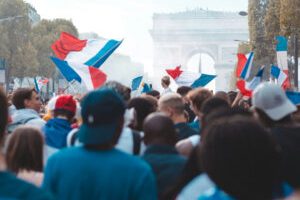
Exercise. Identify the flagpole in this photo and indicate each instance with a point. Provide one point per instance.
(296, 61)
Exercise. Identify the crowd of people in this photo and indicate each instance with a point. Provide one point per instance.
(184, 144)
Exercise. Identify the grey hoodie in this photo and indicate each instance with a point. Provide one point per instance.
(25, 116)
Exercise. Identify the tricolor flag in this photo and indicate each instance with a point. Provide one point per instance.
(245, 74)
(92, 77)
(39, 82)
(92, 52)
(294, 97)
(282, 61)
(185, 78)
(136, 82)
(242, 60)
(246, 88)
(282, 78)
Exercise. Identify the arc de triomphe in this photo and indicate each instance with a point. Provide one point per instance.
(179, 36)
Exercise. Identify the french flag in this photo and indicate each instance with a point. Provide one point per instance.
(246, 88)
(92, 52)
(242, 60)
(185, 78)
(282, 61)
(91, 77)
(245, 74)
(282, 78)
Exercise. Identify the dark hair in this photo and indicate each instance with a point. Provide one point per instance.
(224, 113)
(25, 150)
(66, 113)
(153, 93)
(241, 157)
(231, 96)
(119, 88)
(213, 104)
(158, 128)
(183, 90)
(143, 108)
(20, 95)
(4, 115)
(268, 122)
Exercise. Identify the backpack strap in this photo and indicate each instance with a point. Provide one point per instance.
(137, 139)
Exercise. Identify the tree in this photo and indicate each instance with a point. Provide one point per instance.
(257, 13)
(272, 27)
(290, 17)
(42, 36)
(14, 37)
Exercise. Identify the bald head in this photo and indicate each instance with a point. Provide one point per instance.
(159, 129)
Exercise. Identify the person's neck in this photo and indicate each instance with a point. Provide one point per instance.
(2, 163)
(179, 119)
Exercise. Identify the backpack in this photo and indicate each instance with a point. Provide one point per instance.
(12, 127)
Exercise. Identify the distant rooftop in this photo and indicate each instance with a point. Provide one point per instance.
(197, 13)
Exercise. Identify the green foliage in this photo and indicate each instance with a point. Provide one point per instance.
(26, 49)
(42, 36)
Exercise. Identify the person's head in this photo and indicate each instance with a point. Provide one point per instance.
(212, 104)
(271, 104)
(142, 108)
(151, 99)
(4, 116)
(172, 105)
(154, 93)
(222, 95)
(231, 96)
(224, 113)
(165, 81)
(159, 129)
(183, 90)
(102, 113)
(26, 98)
(121, 89)
(25, 150)
(240, 156)
(197, 98)
(65, 106)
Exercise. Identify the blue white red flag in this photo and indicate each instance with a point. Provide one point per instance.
(245, 74)
(192, 79)
(92, 77)
(92, 52)
(282, 59)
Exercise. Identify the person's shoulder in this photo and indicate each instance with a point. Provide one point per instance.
(132, 161)
(16, 188)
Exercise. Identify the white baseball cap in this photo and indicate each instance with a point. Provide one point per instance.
(271, 99)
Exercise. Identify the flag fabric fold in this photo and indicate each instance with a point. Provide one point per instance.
(92, 52)
(242, 60)
(245, 74)
(91, 77)
(246, 88)
(282, 61)
(282, 78)
(39, 82)
(294, 97)
(136, 82)
(192, 79)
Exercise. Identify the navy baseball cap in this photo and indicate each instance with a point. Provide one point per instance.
(100, 111)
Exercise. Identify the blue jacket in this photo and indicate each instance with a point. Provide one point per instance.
(56, 131)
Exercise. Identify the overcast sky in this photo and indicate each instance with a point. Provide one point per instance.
(128, 19)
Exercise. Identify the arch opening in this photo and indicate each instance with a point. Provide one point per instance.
(202, 63)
